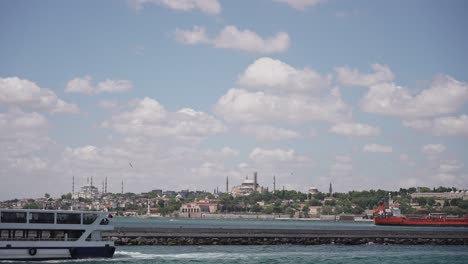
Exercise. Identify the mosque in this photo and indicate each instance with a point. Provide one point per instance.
(247, 187)
(89, 191)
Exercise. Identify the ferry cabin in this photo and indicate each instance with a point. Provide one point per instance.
(51, 234)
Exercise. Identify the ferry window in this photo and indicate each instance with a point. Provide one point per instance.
(13, 217)
(43, 218)
(68, 218)
(4, 234)
(74, 234)
(89, 218)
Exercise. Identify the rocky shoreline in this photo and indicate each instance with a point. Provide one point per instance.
(220, 236)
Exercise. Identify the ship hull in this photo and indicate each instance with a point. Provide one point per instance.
(403, 221)
(55, 253)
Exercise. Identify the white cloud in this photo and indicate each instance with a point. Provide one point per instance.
(271, 156)
(149, 118)
(300, 4)
(23, 143)
(448, 172)
(352, 77)
(433, 149)
(283, 103)
(83, 85)
(354, 129)
(212, 7)
(18, 122)
(376, 148)
(450, 166)
(18, 92)
(446, 95)
(232, 38)
(240, 105)
(227, 151)
(195, 36)
(274, 74)
(265, 133)
(442, 126)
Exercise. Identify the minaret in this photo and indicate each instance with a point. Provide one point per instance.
(105, 186)
(331, 190)
(102, 190)
(227, 184)
(122, 186)
(255, 181)
(73, 193)
(91, 180)
(274, 183)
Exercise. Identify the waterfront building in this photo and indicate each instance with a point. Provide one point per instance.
(445, 195)
(197, 208)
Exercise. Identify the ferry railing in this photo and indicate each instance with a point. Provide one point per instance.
(36, 239)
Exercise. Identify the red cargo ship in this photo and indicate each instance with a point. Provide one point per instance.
(392, 216)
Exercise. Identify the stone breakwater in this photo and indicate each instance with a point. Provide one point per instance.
(238, 236)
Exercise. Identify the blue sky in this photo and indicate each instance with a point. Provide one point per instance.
(363, 94)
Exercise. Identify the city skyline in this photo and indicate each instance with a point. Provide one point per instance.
(182, 94)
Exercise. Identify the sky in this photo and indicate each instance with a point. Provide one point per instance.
(180, 94)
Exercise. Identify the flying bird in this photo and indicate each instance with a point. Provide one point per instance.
(130, 164)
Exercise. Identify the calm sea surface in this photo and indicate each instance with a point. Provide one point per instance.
(285, 254)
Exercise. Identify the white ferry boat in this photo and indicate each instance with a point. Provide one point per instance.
(52, 234)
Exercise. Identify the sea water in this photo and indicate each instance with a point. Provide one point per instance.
(361, 254)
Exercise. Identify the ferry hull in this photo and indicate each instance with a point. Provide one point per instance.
(55, 253)
(403, 221)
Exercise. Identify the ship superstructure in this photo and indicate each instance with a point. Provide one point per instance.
(51, 234)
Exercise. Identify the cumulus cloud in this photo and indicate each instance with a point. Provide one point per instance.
(23, 142)
(376, 148)
(274, 74)
(266, 133)
(18, 92)
(355, 129)
(445, 95)
(352, 77)
(231, 37)
(279, 99)
(212, 7)
(433, 149)
(271, 156)
(448, 172)
(450, 166)
(227, 151)
(149, 118)
(300, 4)
(239, 105)
(83, 85)
(441, 126)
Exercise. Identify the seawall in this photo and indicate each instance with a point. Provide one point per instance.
(241, 236)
